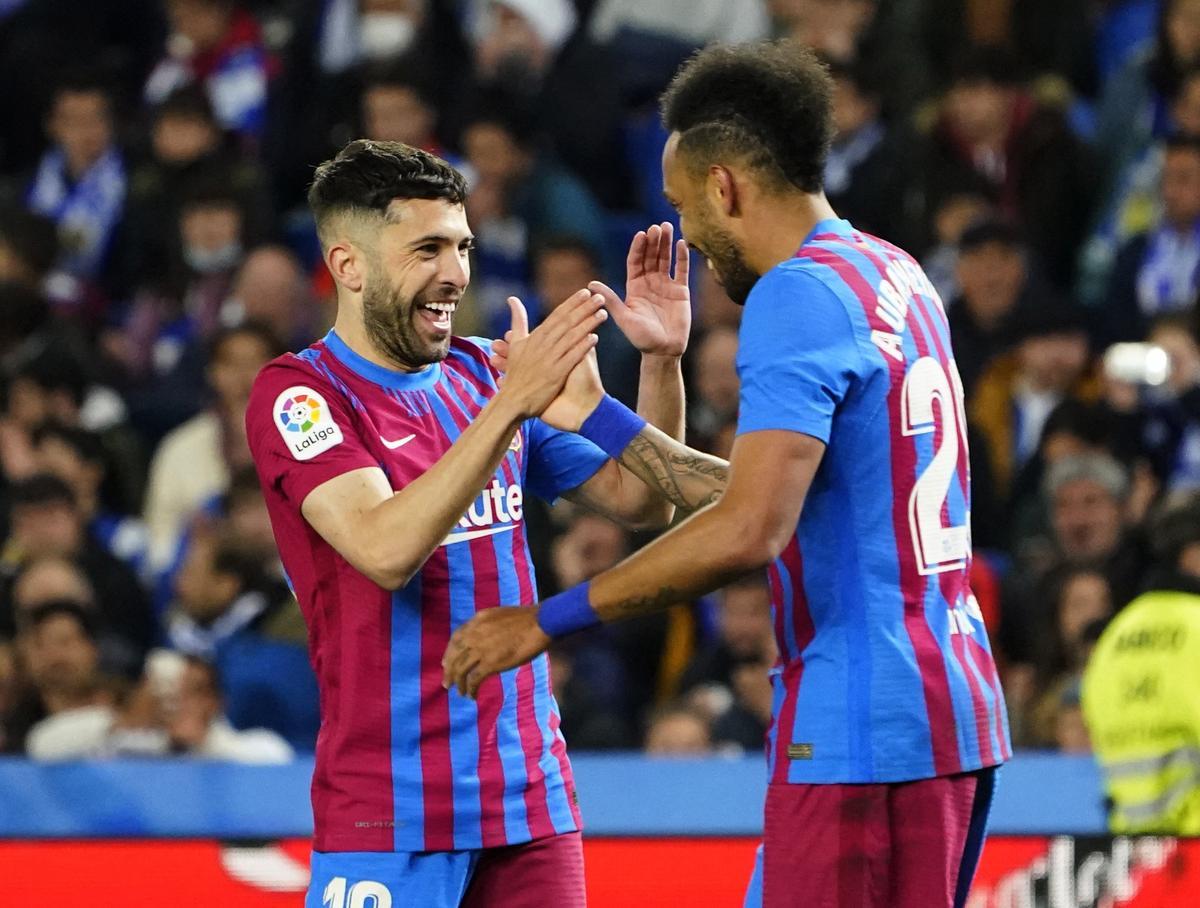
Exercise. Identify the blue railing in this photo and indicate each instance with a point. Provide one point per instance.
(621, 795)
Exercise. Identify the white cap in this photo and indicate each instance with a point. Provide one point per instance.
(553, 20)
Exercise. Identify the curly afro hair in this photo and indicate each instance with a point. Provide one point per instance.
(769, 104)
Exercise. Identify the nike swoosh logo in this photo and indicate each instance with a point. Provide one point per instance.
(476, 534)
(398, 443)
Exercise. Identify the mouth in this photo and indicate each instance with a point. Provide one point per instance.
(438, 315)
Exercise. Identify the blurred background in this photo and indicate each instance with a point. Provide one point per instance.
(1041, 159)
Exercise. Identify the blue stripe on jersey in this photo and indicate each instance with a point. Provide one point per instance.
(556, 795)
(988, 698)
(508, 737)
(777, 694)
(408, 794)
(936, 608)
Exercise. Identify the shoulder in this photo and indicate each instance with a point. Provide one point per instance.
(475, 354)
(286, 381)
(795, 301)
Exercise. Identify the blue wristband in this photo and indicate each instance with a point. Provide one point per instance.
(612, 426)
(567, 612)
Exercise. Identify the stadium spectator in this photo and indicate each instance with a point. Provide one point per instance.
(63, 660)
(995, 287)
(397, 105)
(587, 722)
(678, 731)
(1017, 392)
(188, 148)
(28, 247)
(528, 52)
(227, 612)
(744, 634)
(865, 175)
(81, 182)
(216, 44)
(563, 265)
(715, 402)
(991, 128)
(194, 461)
(1158, 272)
(957, 210)
(46, 521)
(1139, 691)
(518, 198)
(744, 725)
(270, 289)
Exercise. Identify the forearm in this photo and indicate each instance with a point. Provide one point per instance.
(660, 394)
(687, 478)
(672, 569)
(409, 526)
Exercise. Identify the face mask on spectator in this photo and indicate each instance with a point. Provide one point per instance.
(386, 35)
(211, 261)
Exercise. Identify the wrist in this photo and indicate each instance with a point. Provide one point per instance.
(662, 362)
(611, 426)
(509, 408)
(567, 613)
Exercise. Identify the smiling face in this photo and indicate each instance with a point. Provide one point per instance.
(701, 225)
(417, 270)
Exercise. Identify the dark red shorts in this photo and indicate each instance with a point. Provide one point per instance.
(534, 875)
(905, 845)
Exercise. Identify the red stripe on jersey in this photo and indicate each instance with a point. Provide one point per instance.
(993, 683)
(436, 771)
(793, 672)
(978, 701)
(939, 706)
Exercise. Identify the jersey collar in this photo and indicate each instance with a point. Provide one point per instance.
(380, 375)
(840, 226)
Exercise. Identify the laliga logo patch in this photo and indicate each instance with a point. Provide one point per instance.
(515, 444)
(303, 421)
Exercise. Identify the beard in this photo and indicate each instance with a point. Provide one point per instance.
(735, 276)
(393, 324)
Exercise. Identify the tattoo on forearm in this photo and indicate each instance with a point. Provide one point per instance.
(641, 605)
(687, 479)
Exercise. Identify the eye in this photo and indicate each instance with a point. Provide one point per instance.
(429, 250)
(466, 247)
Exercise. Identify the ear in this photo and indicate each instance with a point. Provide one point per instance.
(723, 190)
(346, 263)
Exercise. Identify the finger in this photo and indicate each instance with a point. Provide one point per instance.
(465, 673)
(475, 680)
(683, 262)
(637, 255)
(664, 248)
(577, 332)
(612, 301)
(650, 257)
(520, 318)
(576, 308)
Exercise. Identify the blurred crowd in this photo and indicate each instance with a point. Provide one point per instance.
(1041, 159)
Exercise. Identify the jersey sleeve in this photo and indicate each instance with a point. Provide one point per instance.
(301, 432)
(558, 461)
(797, 355)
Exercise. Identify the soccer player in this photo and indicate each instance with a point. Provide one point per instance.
(395, 468)
(848, 481)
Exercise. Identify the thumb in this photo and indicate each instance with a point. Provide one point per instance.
(520, 320)
(612, 300)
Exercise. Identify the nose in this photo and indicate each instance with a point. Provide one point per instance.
(454, 269)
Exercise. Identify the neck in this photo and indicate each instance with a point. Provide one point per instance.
(349, 327)
(77, 166)
(781, 225)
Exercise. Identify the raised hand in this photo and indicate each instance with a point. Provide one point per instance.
(656, 314)
(580, 394)
(538, 363)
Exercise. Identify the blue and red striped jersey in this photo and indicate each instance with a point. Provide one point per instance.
(885, 671)
(401, 763)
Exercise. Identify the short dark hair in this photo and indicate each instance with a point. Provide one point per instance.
(566, 242)
(366, 176)
(83, 81)
(990, 230)
(87, 445)
(59, 608)
(769, 103)
(985, 64)
(403, 73)
(255, 328)
(1182, 141)
(32, 237)
(41, 489)
(53, 368)
(187, 102)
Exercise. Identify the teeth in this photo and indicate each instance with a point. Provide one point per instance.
(441, 307)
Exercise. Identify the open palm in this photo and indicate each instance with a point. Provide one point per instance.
(656, 314)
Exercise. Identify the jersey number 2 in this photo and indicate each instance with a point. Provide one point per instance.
(939, 548)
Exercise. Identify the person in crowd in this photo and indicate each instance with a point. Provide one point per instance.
(1140, 689)
(715, 379)
(1158, 272)
(63, 661)
(194, 461)
(28, 247)
(271, 289)
(1168, 416)
(217, 44)
(229, 612)
(1016, 393)
(678, 731)
(529, 52)
(188, 147)
(1040, 174)
(81, 182)
(46, 520)
(587, 721)
(397, 104)
(518, 198)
